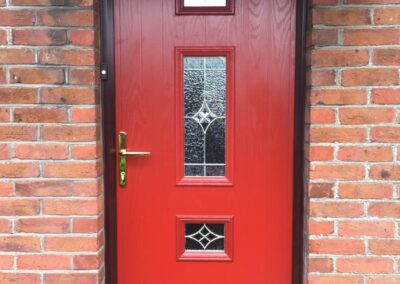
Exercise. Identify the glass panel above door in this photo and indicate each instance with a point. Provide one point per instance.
(204, 3)
(204, 115)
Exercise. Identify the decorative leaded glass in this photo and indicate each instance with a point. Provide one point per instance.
(204, 237)
(204, 3)
(205, 115)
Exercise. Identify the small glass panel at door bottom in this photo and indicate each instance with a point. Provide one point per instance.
(204, 115)
(204, 238)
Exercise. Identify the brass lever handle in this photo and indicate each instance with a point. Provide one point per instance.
(122, 157)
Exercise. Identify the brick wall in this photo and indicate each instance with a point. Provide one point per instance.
(354, 136)
(50, 168)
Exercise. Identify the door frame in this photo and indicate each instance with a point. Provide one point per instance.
(109, 138)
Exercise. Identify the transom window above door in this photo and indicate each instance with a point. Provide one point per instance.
(205, 7)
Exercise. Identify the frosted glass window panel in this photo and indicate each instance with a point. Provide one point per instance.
(204, 3)
(205, 115)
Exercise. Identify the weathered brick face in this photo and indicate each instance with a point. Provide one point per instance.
(51, 220)
(352, 151)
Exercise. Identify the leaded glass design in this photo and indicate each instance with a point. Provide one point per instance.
(204, 3)
(204, 237)
(205, 115)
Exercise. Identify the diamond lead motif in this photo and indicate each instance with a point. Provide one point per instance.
(204, 116)
(204, 236)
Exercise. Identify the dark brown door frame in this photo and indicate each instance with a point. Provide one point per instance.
(109, 138)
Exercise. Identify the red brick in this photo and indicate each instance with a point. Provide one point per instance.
(71, 3)
(320, 227)
(322, 116)
(72, 170)
(39, 37)
(341, 17)
(86, 225)
(6, 262)
(43, 188)
(82, 37)
(4, 114)
(41, 151)
(42, 225)
(85, 115)
(384, 209)
(40, 114)
(365, 191)
(320, 153)
(335, 279)
(366, 115)
(389, 16)
(3, 78)
(5, 153)
(44, 262)
(387, 56)
(85, 262)
(83, 77)
(385, 134)
(384, 247)
(67, 96)
(70, 278)
(19, 244)
(37, 75)
(320, 265)
(385, 172)
(321, 78)
(370, 154)
(337, 172)
(370, 77)
(17, 96)
(17, 17)
(19, 207)
(366, 228)
(372, 37)
(6, 188)
(336, 209)
(60, 56)
(384, 279)
(336, 246)
(386, 96)
(324, 2)
(72, 207)
(71, 244)
(66, 18)
(18, 170)
(87, 188)
(365, 265)
(339, 57)
(16, 55)
(337, 134)
(3, 37)
(338, 97)
(320, 190)
(19, 278)
(86, 152)
(17, 133)
(69, 133)
(324, 37)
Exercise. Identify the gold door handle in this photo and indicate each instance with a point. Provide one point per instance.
(122, 157)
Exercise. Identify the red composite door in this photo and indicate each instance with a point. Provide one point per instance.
(207, 88)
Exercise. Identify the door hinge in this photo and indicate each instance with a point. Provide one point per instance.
(103, 71)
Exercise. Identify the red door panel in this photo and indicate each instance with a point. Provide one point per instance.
(256, 203)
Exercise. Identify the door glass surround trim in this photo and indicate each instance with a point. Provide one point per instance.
(181, 53)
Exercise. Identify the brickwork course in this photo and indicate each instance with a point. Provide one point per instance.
(51, 192)
(51, 205)
(353, 151)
